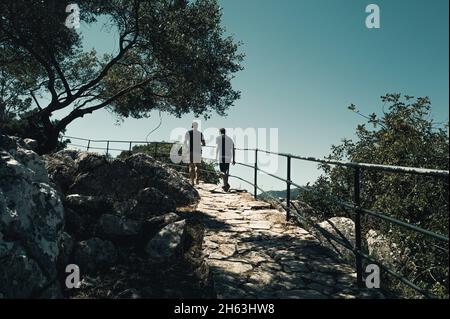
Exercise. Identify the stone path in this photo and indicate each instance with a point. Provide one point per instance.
(253, 252)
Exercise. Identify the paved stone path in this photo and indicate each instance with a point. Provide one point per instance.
(253, 252)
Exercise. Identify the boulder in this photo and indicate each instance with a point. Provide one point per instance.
(83, 212)
(88, 161)
(94, 254)
(20, 275)
(113, 227)
(381, 248)
(61, 169)
(88, 205)
(66, 245)
(342, 228)
(151, 200)
(30, 144)
(158, 222)
(31, 222)
(167, 243)
(139, 186)
(78, 227)
(33, 162)
(165, 179)
(109, 179)
(153, 225)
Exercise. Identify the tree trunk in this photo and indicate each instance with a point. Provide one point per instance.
(43, 131)
(39, 128)
(49, 142)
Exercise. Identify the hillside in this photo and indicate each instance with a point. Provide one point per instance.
(280, 193)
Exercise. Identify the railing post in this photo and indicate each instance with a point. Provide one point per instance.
(357, 202)
(88, 146)
(130, 147)
(107, 148)
(256, 175)
(288, 189)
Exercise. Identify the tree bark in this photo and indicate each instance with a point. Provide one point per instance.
(49, 143)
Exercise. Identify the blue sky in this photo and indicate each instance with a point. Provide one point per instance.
(306, 61)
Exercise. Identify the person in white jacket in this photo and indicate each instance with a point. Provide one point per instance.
(193, 142)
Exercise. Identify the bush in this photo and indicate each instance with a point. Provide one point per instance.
(404, 135)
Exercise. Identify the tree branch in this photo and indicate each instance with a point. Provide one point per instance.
(47, 67)
(122, 51)
(81, 112)
(35, 100)
(59, 71)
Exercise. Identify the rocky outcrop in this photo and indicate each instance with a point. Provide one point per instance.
(113, 226)
(167, 244)
(121, 216)
(382, 249)
(95, 254)
(31, 223)
(139, 176)
(342, 228)
(80, 208)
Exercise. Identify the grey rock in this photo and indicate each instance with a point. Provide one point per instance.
(154, 224)
(82, 214)
(61, 169)
(90, 174)
(65, 245)
(130, 293)
(30, 144)
(167, 243)
(84, 205)
(33, 162)
(87, 161)
(151, 201)
(31, 217)
(342, 228)
(78, 227)
(165, 179)
(94, 254)
(20, 275)
(112, 226)
(52, 292)
(382, 249)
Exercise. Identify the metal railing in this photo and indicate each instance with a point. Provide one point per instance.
(354, 206)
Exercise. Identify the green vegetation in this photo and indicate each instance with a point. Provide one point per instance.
(161, 152)
(404, 135)
(172, 56)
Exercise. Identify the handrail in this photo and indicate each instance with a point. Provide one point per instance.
(368, 166)
(354, 207)
(366, 211)
(379, 167)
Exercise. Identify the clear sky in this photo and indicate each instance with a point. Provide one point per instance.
(306, 61)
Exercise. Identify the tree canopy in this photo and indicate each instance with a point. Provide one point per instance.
(172, 55)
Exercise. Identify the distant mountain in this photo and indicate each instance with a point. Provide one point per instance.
(277, 194)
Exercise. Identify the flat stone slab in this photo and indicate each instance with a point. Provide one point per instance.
(260, 224)
(235, 267)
